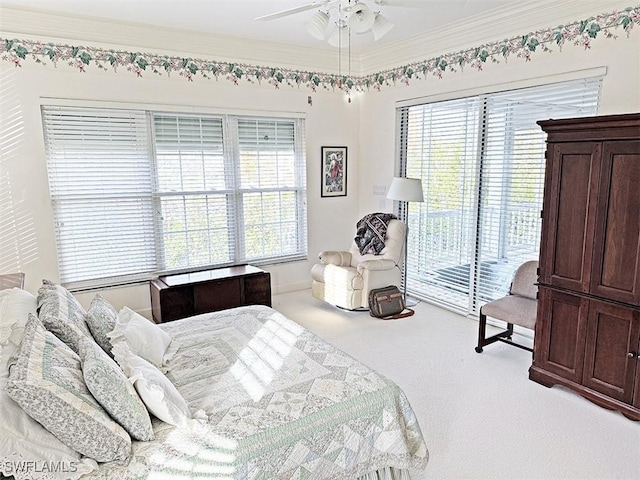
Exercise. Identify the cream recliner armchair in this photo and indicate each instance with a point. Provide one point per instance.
(345, 278)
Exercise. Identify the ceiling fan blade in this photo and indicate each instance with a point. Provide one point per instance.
(402, 3)
(291, 11)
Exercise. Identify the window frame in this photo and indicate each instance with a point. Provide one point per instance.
(230, 154)
(481, 161)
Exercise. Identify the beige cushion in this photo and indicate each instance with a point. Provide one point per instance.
(513, 309)
(524, 280)
(335, 257)
(344, 277)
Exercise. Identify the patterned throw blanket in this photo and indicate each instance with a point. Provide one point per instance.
(279, 403)
(371, 230)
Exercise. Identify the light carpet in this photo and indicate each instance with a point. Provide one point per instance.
(481, 416)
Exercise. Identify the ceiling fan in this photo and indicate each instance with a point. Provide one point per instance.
(336, 19)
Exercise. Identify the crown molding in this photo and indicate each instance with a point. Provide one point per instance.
(59, 28)
(582, 31)
(509, 22)
(492, 25)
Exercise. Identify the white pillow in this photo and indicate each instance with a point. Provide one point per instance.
(22, 439)
(157, 392)
(15, 306)
(143, 337)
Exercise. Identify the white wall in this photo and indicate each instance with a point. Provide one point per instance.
(620, 94)
(28, 242)
(366, 127)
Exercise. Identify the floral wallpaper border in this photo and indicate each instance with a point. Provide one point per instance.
(579, 33)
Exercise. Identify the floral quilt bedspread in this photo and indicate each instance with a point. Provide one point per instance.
(273, 401)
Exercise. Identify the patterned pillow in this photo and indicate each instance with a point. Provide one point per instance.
(101, 319)
(21, 437)
(46, 381)
(62, 314)
(111, 388)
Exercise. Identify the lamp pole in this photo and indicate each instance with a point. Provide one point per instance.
(405, 190)
(406, 252)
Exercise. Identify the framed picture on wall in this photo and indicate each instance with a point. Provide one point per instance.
(334, 172)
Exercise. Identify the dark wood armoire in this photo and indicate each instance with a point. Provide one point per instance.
(587, 333)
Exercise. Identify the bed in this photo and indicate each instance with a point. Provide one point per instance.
(270, 400)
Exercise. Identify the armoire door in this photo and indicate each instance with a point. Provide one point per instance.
(610, 363)
(569, 214)
(636, 395)
(616, 258)
(560, 333)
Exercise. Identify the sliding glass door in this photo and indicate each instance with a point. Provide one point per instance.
(481, 161)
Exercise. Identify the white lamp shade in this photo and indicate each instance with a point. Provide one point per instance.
(318, 25)
(381, 27)
(406, 190)
(361, 18)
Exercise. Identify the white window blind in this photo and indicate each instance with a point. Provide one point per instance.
(481, 161)
(194, 193)
(272, 200)
(137, 193)
(100, 180)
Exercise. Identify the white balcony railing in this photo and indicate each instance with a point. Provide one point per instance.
(441, 248)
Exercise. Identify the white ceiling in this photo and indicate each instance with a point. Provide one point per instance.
(236, 17)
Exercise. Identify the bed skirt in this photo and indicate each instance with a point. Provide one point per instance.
(388, 473)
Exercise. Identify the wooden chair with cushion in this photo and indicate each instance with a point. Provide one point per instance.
(519, 307)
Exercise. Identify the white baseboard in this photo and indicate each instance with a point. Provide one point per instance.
(290, 287)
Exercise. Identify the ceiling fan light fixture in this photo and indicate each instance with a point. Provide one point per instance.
(361, 18)
(381, 27)
(318, 25)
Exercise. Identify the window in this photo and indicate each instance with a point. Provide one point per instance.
(481, 161)
(136, 193)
